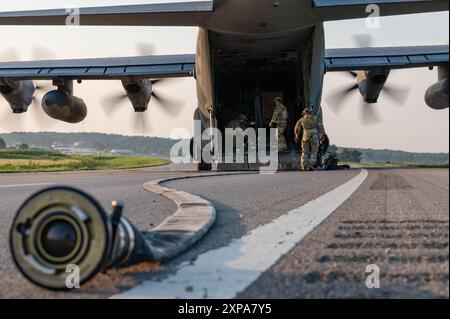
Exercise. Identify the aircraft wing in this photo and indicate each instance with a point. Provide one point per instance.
(330, 10)
(197, 13)
(101, 69)
(184, 65)
(165, 14)
(390, 58)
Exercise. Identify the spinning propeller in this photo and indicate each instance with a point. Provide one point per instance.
(369, 116)
(15, 121)
(112, 103)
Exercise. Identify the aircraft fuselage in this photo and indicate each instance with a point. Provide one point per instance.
(257, 40)
(262, 18)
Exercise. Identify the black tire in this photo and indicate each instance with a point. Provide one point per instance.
(202, 166)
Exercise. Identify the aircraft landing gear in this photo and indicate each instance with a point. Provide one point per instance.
(205, 123)
(202, 165)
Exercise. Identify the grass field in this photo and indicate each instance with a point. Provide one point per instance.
(35, 160)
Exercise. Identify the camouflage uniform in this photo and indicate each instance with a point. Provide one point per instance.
(306, 128)
(279, 119)
(324, 144)
(241, 122)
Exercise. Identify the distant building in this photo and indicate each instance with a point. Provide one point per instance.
(78, 151)
(57, 144)
(64, 150)
(122, 152)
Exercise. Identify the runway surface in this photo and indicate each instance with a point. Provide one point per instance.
(396, 219)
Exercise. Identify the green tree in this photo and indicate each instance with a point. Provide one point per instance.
(2, 144)
(332, 148)
(23, 146)
(350, 155)
(356, 156)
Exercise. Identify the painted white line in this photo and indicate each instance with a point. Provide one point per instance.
(24, 185)
(224, 272)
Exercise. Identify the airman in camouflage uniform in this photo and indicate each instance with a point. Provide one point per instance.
(324, 144)
(306, 130)
(241, 122)
(279, 120)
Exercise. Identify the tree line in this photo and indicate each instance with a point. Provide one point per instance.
(161, 147)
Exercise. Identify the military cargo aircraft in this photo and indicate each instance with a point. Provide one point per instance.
(248, 52)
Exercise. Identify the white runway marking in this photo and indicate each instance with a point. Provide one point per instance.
(227, 271)
(24, 185)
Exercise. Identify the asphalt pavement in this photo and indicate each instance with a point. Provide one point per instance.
(397, 220)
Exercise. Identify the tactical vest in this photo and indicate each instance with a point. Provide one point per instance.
(309, 125)
(280, 114)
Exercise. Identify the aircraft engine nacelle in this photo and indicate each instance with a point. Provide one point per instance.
(62, 106)
(371, 83)
(436, 96)
(18, 94)
(139, 92)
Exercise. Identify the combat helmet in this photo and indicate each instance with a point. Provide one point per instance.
(243, 118)
(308, 110)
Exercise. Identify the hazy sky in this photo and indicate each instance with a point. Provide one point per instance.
(413, 127)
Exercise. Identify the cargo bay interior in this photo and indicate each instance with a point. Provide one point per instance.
(247, 83)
